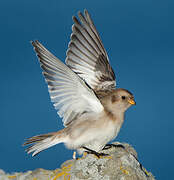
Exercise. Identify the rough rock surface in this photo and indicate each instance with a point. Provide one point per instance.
(120, 164)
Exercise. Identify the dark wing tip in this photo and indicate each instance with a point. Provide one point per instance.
(86, 12)
(79, 12)
(34, 42)
(73, 18)
(81, 16)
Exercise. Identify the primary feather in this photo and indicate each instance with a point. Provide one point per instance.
(69, 93)
(87, 56)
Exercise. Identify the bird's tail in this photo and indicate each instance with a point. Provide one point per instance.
(42, 142)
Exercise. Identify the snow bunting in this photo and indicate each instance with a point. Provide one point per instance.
(83, 92)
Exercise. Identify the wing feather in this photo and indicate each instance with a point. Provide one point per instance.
(87, 56)
(68, 92)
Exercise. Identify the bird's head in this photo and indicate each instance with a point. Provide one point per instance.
(119, 100)
(122, 99)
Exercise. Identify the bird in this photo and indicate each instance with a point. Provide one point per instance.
(83, 91)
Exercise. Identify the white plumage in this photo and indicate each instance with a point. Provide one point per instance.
(83, 92)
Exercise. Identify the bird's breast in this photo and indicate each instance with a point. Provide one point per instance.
(94, 132)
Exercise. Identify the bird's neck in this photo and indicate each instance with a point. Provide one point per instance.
(115, 115)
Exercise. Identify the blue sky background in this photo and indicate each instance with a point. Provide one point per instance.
(139, 38)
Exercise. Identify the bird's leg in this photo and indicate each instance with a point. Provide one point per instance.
(74, 155)
(90, 151)
(108, 146)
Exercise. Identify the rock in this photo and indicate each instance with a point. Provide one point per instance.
(120, 164)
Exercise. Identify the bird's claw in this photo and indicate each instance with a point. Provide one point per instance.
(108, 146)
(98, 155)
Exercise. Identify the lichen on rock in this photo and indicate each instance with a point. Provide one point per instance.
(120, 164)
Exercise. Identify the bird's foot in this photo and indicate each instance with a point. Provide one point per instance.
(108, 146)
(98, 155)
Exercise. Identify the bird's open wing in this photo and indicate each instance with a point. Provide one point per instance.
(87, 56)
(69, 93)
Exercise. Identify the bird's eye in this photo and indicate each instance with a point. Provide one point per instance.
(123, 97)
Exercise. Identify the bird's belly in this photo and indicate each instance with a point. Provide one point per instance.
(102, 137)
(95, 138)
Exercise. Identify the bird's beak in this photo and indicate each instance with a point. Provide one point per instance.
(131, 101)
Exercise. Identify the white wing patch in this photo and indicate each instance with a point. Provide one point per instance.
(69, 93)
